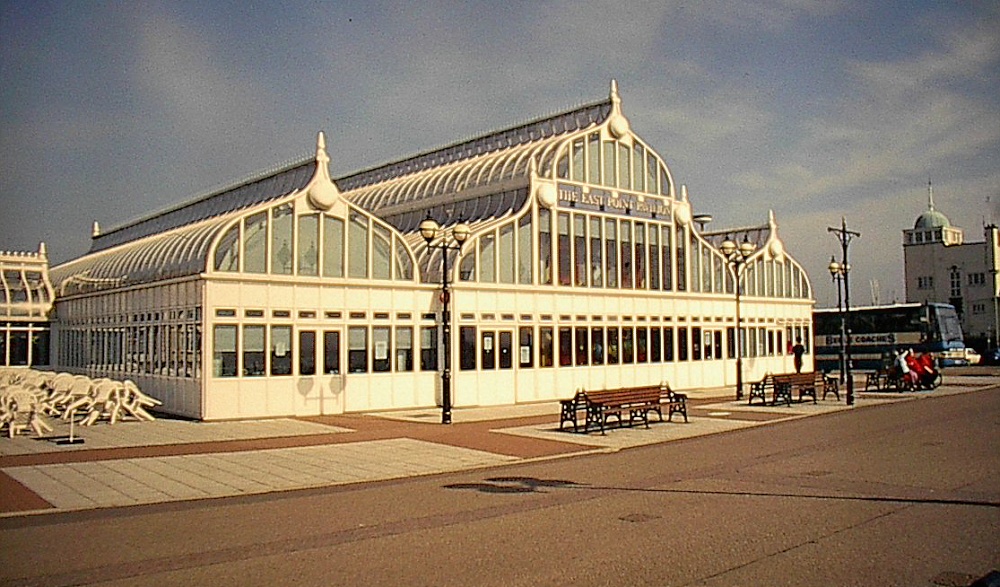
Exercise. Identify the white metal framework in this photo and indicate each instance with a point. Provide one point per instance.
(296, 293)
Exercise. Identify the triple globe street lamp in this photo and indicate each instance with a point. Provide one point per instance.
(737, 256)
(446, 241)
(838, 273)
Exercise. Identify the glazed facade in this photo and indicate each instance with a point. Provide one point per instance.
(297, 294)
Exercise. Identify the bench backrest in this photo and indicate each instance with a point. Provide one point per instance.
(624, 396)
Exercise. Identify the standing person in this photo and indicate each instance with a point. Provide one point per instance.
(798, 350)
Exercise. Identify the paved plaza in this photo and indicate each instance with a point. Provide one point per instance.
(184, 460)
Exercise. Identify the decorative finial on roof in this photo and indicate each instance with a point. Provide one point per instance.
(95, 230)
(617, 123)
(930, 195)
(42, 251)
(770, 219)
(322, 192)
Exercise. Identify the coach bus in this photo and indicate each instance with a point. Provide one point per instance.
(877, 332)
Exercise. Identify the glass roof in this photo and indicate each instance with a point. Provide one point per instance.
(478, 181)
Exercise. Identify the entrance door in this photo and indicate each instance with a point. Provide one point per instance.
(505, 382)
(332, 380)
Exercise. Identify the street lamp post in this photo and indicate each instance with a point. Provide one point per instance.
(431, 230)
(737, 256)
(845, 236)
(837, 273)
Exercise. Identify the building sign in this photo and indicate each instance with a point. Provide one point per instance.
(574, 196)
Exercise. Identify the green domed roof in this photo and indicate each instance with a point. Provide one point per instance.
(931, 219)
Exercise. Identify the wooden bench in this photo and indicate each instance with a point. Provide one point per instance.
(635, 403)
(830, 385)
(572, 408)
(877, 380)
(759, 389)
(803, 383)
(676, 403)
(626, 405)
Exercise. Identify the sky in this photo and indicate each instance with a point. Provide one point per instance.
(816, 110)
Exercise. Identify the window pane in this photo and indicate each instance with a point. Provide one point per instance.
(609, 164)
(545, 346)
(281, 240)
(641, 346)
(524, 256)
(696, 344)
(331, 352)
(624, 164)
(597, 345)
(307, 352)
(255, 243)
(308, 240)
(565, 346)
(253, 351)
(582, 350)
(640, 255)
(227, 254)
(545, 247)
(580, 249)
(381, 344)
(596, 269)
(626, 249)
(467, 346)
(613, 345)
(506, 359)
(333, 247)
(428, 348)
(651, 166)
(578, 166)
(682, 344)
(666, 256)
(638, 170)
(404, 263)
(594, 159)
(404, 348)
(281, 350)
(565, 264)
(507, 253)
(611, 248)
(526, 347)
(655, 342)
(487, 258)
(357, 246)
(224, 351)
(668, 344)
(381, 252)
(628, 345)
(654, 256)
(357, 349)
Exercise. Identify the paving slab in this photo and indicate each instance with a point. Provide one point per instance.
(125, 482)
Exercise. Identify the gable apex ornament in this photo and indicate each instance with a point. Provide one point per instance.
(322, 192)
(617, 123)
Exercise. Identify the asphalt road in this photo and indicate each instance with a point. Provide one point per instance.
(899, 494)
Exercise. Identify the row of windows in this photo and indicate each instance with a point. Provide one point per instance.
(605, 252)
(24, 345)
(925, 282)
(567, 346)
(252, 350)
(172, 350)
(613, 164)
(278, 242)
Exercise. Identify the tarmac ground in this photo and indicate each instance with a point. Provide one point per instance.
(169, 460)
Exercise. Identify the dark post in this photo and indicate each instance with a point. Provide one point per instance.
(446, 333)
(844, 236)
(430, 230)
